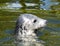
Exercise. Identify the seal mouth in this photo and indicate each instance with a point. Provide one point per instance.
(36, 30)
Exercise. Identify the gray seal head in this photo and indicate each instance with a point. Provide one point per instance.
(26, 28)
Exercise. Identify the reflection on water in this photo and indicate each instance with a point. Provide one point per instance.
(17, 5)
(8, 38)
(54, 21)
(47, 4)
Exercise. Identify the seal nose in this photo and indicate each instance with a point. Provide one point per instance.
(46, 21)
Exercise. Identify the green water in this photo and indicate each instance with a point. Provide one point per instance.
(51, 33)
(51, 12)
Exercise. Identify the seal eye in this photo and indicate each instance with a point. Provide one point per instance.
(34, 20)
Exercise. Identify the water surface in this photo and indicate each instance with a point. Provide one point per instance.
(50, 34)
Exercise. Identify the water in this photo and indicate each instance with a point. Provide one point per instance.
(46, 6)
(50, 34)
